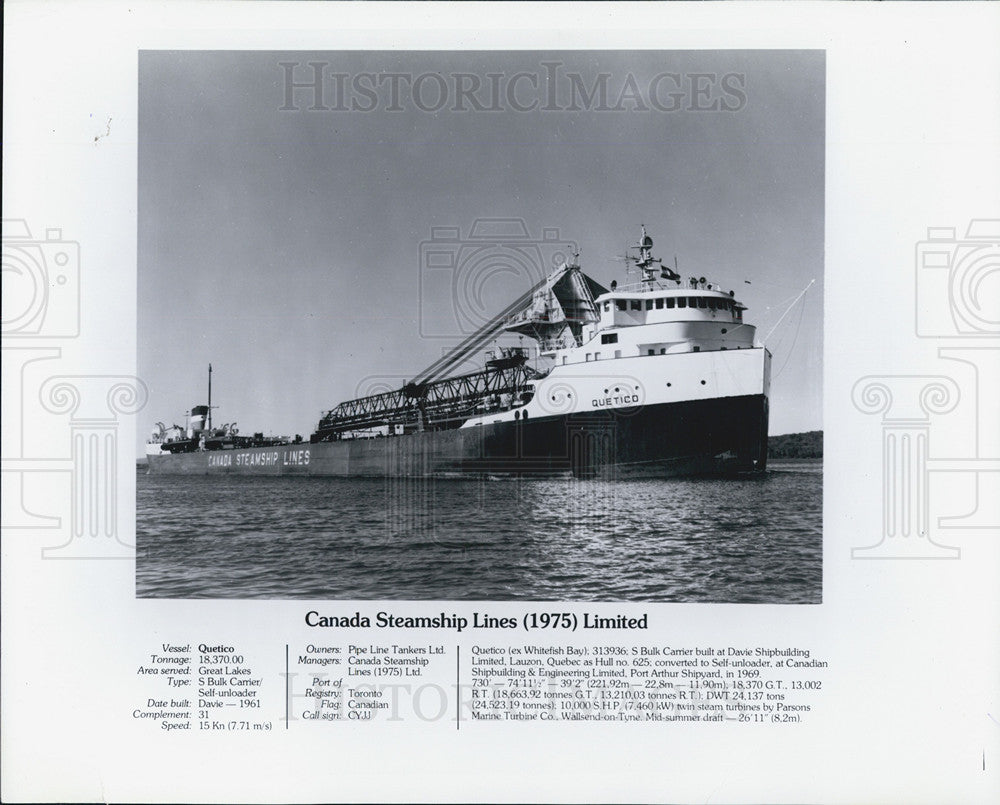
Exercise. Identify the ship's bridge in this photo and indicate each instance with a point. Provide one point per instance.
(651, 306)
(658, 319)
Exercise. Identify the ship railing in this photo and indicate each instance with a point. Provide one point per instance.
(665, 285)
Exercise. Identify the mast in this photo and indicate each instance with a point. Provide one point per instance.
(210, 397)
(646, 263)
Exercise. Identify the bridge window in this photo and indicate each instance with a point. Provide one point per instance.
(588, 356)
(607, 306)
(609, 338)
(659, 303)
(650, 351)
(620, 304)
(649, 304)
(682, 301)
(597, 356)
(663, 350)
(670, 302)
(711, 304)
(636, 304)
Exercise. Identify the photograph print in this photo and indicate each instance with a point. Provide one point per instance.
(481, 326)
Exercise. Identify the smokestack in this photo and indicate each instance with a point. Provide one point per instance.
(196, 423)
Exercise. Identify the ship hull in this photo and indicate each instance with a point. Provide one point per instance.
(723, 435)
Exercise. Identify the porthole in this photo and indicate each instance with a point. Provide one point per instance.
(669, 385)
(703, 382)
(724, 331)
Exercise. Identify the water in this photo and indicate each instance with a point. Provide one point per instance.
(737, 541)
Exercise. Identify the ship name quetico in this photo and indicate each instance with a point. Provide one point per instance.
(606, 402)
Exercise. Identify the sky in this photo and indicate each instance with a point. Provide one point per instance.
(317, 245)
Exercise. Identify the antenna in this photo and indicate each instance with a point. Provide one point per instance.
(788, 309)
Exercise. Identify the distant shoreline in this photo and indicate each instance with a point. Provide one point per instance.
(796, 445)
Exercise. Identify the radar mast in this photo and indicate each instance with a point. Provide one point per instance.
(651, 268)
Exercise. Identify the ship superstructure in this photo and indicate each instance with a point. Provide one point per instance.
(659, 376)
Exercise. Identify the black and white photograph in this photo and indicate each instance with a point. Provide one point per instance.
(500, 402)
(481, 325)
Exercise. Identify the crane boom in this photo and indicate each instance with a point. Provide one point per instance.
(557, 307)
(489, 330)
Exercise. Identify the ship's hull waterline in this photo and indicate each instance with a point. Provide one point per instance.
(722, 435)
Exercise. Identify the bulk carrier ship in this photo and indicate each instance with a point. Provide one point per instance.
(657, 377)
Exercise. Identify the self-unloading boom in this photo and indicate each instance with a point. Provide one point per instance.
(556, 308)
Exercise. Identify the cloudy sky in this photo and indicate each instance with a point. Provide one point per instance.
(299, 239)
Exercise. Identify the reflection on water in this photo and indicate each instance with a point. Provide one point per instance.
(754, 540)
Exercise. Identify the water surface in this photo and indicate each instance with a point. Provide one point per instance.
(739, 541)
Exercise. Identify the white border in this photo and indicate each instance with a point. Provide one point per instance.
(913, 140)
